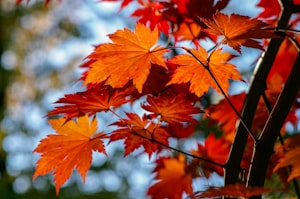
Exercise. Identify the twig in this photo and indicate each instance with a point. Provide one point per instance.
(152, 139)
(224, 94)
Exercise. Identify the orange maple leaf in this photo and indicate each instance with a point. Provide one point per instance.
(172, 109)
(71, 147)
(173, 179)
(139, 132)
(89, 102)
(239, 30)
(129, 57)
(192, 71)
(234, 190)
(291, 157)
(187, 31)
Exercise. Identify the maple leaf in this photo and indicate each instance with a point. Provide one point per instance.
(224, 114)
(129, 57)
(234, 190)
(213, 149)
(271, 9)
(291, 157)
(190, 70)
(157, 80)
(71, 147)
(187, 31)
(173, 179)
(238, 30)
(178, 130)
(89, 102)
(150, 13)
(139, 132)
(287, 54)
(172, 109)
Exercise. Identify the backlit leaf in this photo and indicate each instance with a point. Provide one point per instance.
(172, 109)
(129, 57)
(70, 148)
(89, 102)
(271, 9)
(191, 71)
(223, 114)
(173, 179)
(291, 157)
(213, 149)
(139, 132)
(238, 30)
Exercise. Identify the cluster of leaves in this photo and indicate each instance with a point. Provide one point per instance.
(134, 67)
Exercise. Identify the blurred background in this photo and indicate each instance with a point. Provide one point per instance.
(41, 49)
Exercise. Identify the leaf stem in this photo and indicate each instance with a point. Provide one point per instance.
(224, 94)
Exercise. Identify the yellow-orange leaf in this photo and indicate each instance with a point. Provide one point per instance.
(71, 147)
(129, 57)
(235, 190)
(238, 30)
(192, 71)
(173, 179)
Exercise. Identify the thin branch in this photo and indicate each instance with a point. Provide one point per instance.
(269, 108)
(152, 139)
(180, 151)
(224, 94)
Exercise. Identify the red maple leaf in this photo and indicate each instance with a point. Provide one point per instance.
(193, 70)
(271, 9)
(287, 54)
(71, 147)
(171, 108)
(89, 102)
(151, 14)
(224, 114)
(139, 132)
(179, 130)
(129, 57)
(215, 150)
